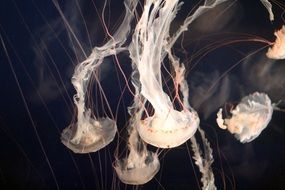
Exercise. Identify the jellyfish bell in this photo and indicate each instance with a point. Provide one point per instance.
(169, 130)
(90, 135)
(249, 118)
(137, 169)
(277, 51)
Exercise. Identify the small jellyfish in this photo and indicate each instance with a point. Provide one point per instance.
(249, 117)
(141, 165)
(89, 136)
(277, 51)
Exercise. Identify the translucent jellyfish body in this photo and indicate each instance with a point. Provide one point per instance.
(249, 117)
(90, 135)
(137, 169)
(169, 130)
(277, 51)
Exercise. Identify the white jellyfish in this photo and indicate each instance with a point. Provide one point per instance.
(167, 127)
(249, 118)
(277, 51)
(141, 165)
(90, 134)
(151, 42)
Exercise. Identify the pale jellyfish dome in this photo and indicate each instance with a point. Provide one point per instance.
(250, 117)
(138, 170)
(172, 130)
(90, 136)
(277, 51)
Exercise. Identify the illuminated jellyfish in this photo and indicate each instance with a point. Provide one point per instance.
(90, 134)
(277, 51)
(249, 117)
(151, 41)
(141, 165)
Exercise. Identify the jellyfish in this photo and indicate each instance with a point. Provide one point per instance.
(141, 165)
(249, 118)
(151, 41)
(90, 134)
(277, 51)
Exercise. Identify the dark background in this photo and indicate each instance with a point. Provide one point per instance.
(36, 96)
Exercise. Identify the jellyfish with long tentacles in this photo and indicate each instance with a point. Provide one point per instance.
(141, 165)
(249, 118)
(90, 134)
(151, 41)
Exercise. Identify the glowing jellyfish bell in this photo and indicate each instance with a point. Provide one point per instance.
(277, 51)
(249, 117)
(140, 166)
(88, 134)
